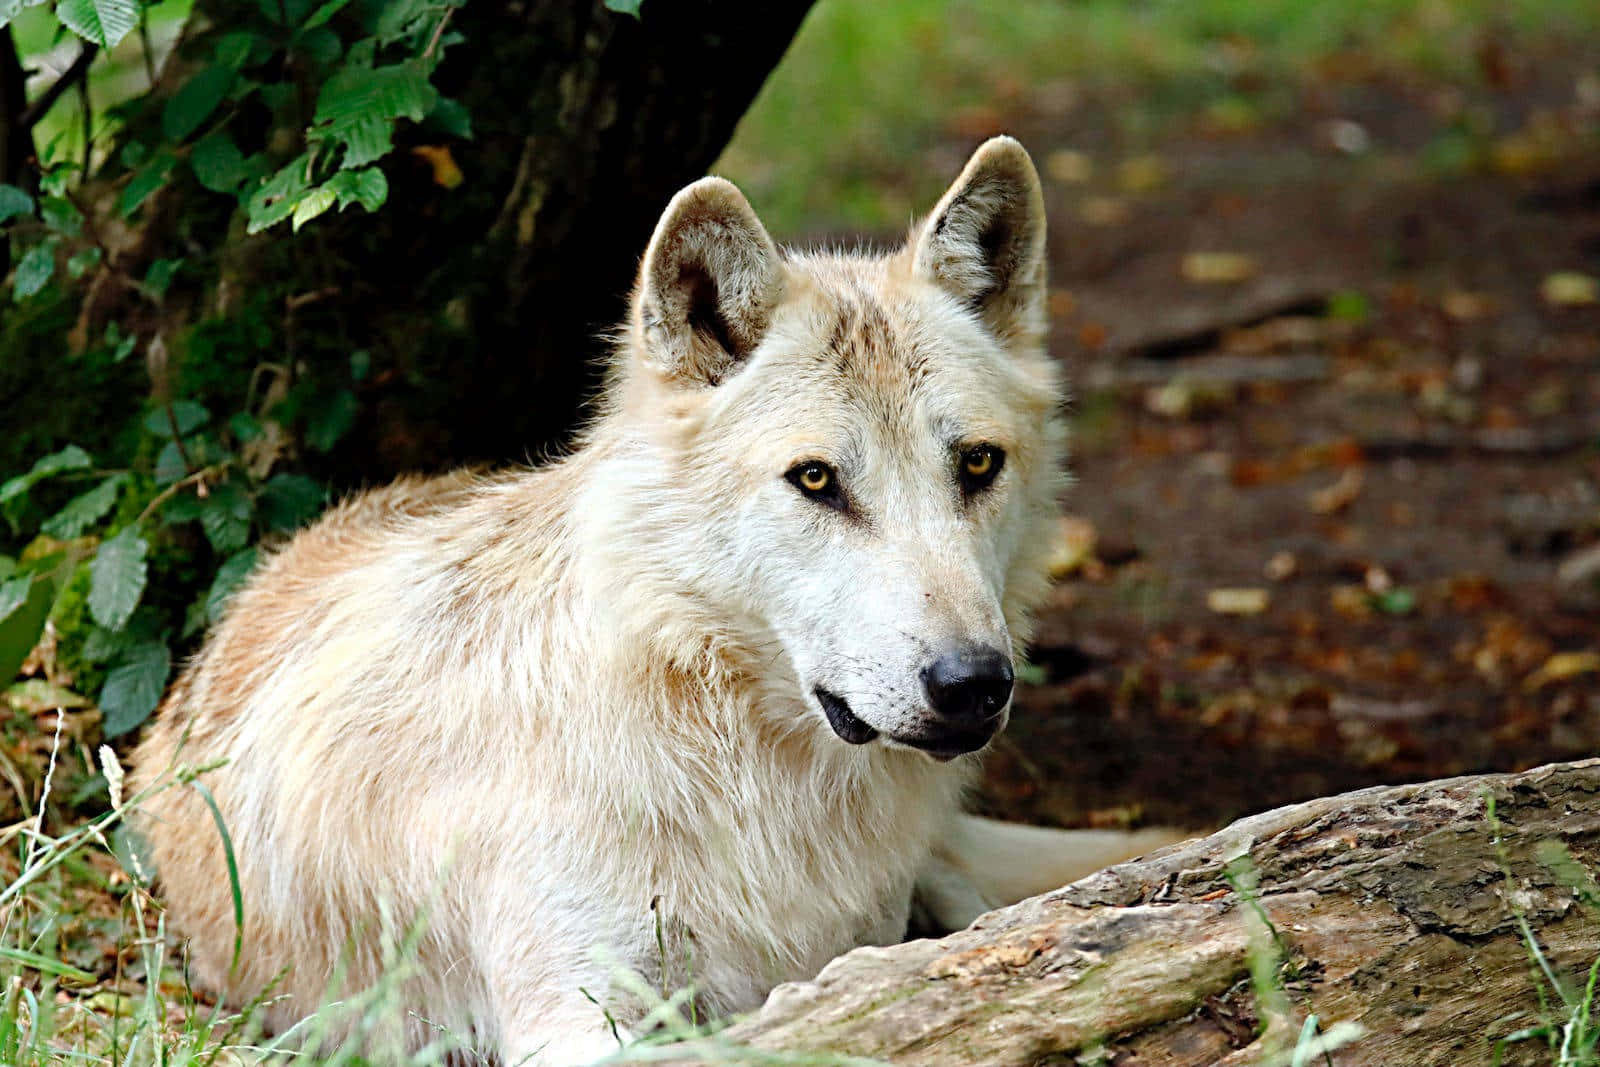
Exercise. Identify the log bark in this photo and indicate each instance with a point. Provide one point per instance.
(1394, 908)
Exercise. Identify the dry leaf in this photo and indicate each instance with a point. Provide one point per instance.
(1562, 666)
(1340, 495)
(446, 173)
(1568, 288)
(1073, 548)
(1067, 166)
(1218, 268)
(1238, 601)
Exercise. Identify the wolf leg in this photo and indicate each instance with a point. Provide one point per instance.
(546, 1034)
(982, 864)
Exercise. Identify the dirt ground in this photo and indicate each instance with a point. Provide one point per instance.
(1376, 414)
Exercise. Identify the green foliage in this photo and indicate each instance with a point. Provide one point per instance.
(133, 537)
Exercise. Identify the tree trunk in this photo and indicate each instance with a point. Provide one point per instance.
(1395, 909)
(479, 297)
(585, 123)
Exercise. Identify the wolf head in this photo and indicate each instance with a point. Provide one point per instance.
(854, 458)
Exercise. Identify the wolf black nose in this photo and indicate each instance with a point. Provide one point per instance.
(970, 685)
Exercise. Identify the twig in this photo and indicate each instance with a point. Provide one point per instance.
(47, 99)
(144, 47)
(438, 32)
(177, 487)
(88, 124)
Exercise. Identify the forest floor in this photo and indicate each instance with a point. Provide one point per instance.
(1336, 381)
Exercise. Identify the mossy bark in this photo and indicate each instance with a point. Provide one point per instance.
(1393, 908)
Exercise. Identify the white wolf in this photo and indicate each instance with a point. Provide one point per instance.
(718, 674)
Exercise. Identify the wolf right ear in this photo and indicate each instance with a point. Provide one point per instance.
(710, 280)
(985, 241)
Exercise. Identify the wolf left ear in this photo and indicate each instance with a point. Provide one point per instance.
(710, 280)
(985, 241)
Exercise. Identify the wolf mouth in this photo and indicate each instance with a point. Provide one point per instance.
(851, 729)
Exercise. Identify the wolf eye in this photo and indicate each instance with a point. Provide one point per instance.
(818, 481)
(979, 468)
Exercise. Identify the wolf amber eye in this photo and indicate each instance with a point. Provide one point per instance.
(815, 478)
(818, 481)
(979, 467)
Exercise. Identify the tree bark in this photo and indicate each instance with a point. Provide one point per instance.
(494, 295)
(1395, 909)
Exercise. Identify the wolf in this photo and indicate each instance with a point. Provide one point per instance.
(698, 701)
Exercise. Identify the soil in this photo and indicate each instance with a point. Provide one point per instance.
(1387, 419)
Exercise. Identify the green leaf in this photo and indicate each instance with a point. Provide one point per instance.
(233, 50)
(186, 413)
(225, 517)
(14, 202)
(146, 180)
(289, 501)
(1397, 601)
(71, 458)
(368, 187)
(276, 197)
(82, 261)
(101, 22)
(121, 343)
(24, 608)
(244, 426)
(313, 204)
(61, 215)
(170, 465)
(133, 689)
(35, 270)
(451, 116)
(366, 140)
(217, 163)
(194, 102)
(624, 7)
(84, 510)
(398, 91)
(230, 576)
(46, 965)
(330, 418)
(323, 14)
(117, 578)
(158, 276)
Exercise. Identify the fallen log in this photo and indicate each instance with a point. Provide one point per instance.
(1398, 909)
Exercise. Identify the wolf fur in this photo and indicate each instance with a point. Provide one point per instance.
(562, 712)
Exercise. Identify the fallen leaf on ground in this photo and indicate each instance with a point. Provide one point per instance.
(1351, 601)
(1065, 165)
(1218, 268)
(1103, 211)
(1568, 288)
(1340, 495)
(1238, 601)
(1562, 666)
(1281, 566)
(1141, 174)
(1074, 546)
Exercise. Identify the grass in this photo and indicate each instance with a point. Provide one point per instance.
(1569, 1022)
(840, 137)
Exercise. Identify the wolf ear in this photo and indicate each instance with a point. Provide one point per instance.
(710, 280)
(985, 242)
